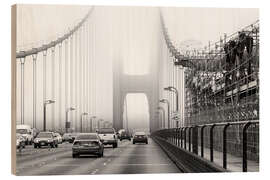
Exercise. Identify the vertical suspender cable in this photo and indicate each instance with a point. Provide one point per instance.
(71, 80)
(60, 86)
(66, 76)
(44, 75)
(53, 85)
(34, 56)
(22, 89)
(80, 70)
(83, 68)
(75, 74)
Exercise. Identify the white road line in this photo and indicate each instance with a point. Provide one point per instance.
(141, 164)
(65, 165)
(95, 171)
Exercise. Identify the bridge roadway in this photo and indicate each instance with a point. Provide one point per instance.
(126, 159)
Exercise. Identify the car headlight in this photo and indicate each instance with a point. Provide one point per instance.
(17, 142)
(35, 141)
(49, 140)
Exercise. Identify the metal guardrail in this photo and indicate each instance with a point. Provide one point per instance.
(178, 136)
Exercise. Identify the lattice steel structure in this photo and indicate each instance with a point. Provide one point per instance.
(222, 85)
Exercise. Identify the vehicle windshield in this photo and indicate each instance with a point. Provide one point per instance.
(18, 136)
(87, 137)
(66, 135)
(139, 133)
(21, 131)
(106, 131)
(44, 135)
(83, 143)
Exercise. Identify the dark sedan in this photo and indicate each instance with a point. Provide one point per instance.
(124, 135)
(140, 137)
(45, 139)
(87, 143)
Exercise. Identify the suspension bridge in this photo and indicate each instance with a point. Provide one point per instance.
(203, 104)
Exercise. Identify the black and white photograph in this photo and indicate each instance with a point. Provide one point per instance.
(100, 90)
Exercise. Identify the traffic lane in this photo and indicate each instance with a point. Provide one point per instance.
(30, 153)
(63, 163)
(86, 167)
(41, 157)
(140, 159)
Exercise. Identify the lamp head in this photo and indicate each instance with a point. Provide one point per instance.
(162, 100)
(166, 89)
(71, 108)
(49, 102)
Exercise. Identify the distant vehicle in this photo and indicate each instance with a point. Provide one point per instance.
(27, 132)
(119, 132)
(140, 137)
(35, 132)
(108, 136)
(59, 138)
(20, 141)
(73, 137)
(46, 139)
(87, 143)
(67, 137)
(124, 135)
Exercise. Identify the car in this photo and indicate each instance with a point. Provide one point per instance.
(27, 132)
(67, 137)
(20, 141)
(124, 135)
(140, 137)
(59, 138)
(73, 137)
(87, 143)
(46, 139)
(108, 136)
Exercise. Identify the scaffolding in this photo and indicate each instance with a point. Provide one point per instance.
(222, 85)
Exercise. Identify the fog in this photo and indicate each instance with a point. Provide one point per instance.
(128, 33)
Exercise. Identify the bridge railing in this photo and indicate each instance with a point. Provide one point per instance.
(191, 138)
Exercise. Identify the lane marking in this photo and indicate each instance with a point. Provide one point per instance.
(141, 164)
(95, 171)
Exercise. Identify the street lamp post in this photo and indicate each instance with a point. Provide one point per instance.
(22, 60)
(44, 112)
(173, 89)
(68, 109)
(168, 104)
(99, 121)
(163, 116)
(157, 116)
(91, 123)
(83, 114)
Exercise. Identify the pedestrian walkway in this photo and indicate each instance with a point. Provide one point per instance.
(234, 163)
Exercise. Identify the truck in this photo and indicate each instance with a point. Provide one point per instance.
(27, 132)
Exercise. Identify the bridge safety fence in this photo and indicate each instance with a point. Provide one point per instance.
(241, 135)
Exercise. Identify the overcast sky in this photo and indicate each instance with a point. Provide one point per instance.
(127, 32)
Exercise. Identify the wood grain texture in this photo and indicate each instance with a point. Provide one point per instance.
(13, 87)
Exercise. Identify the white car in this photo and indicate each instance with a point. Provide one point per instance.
(20, 141)
(108, 136)
(26, 131)
(59, 138)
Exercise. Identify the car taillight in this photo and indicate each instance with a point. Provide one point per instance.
(114, 136)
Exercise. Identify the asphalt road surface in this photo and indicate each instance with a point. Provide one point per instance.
(126, 159)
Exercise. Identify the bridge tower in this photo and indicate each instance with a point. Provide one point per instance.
(124, 84)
